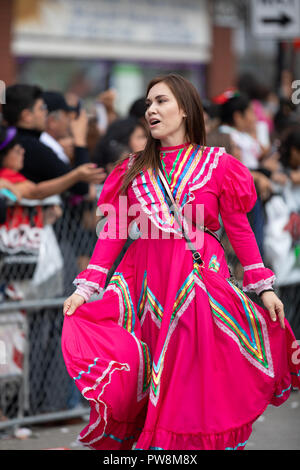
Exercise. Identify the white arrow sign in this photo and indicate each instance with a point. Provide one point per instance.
(276, 18)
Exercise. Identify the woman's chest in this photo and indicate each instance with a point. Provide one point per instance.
(195, 187)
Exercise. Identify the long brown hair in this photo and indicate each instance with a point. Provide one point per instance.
(189, 101)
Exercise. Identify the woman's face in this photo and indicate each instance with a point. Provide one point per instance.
(137, 140)
(165, 119)
(14, 159)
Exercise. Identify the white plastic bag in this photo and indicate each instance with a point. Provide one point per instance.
(12, 344)
(279, 250)
(47, 280)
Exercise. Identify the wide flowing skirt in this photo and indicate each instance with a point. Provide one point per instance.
(174, 356)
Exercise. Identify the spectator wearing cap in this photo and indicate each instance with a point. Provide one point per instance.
(26, 109)
(57, 123)
(62, 126)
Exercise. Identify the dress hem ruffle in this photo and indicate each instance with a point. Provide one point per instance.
(114, 435)
(126, 435)
(231, 439)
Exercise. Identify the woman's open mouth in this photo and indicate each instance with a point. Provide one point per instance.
(154, 122)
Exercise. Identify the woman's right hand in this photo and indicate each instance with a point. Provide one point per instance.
(72, 303)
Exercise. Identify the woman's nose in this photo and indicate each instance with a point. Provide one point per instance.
(151, 108)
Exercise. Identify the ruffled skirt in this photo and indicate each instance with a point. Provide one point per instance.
(174, 356)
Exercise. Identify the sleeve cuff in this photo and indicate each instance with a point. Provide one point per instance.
(94, 277)
(257, 278)
(85, 291)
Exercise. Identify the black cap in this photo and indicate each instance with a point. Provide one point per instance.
(55, 101)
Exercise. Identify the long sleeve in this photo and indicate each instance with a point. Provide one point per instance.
(111, 238)
(237, 198)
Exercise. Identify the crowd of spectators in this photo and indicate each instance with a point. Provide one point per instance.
(262, 129)
(50, 146)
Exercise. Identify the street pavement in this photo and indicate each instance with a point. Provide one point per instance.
(277, 429)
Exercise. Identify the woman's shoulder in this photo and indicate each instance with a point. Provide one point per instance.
(217, 156)
(212, 150)
(225, 159)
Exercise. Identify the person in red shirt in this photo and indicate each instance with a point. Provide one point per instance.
(11, 164)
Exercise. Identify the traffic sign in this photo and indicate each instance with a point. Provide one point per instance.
(275, 18)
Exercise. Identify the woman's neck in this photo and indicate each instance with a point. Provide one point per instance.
(173, 148)
(174, 141)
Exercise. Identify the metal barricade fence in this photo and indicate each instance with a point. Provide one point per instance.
(36, 387)
(43, 246)
(37, 266)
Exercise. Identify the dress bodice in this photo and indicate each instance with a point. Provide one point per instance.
(204, 179)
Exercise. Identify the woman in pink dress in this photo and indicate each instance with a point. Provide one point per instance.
(174, 356)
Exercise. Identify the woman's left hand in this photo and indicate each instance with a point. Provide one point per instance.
(275, 307)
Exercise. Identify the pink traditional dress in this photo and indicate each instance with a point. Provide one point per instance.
(174, 356)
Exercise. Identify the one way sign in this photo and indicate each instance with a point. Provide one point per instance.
(276, 18)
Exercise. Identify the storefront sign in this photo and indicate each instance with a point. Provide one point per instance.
(119, 26)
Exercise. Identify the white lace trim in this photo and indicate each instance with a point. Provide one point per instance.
(165, 210)
(254, 266)
(213, 165)
(84, 291)
(92, 426)
(97, 268)
(95, 285)
(270, 371)
(191, 196)
(257, 287)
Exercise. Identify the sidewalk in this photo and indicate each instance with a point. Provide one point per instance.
(277, 429)
(57, 435)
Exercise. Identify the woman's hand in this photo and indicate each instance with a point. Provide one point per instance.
(72, 303)
(275, 306)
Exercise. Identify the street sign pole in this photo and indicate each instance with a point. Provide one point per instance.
(278, 20)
